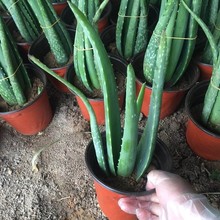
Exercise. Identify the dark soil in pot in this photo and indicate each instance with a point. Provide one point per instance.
(41, 50)
(51, 62)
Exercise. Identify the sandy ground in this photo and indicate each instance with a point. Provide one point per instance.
(62, 188)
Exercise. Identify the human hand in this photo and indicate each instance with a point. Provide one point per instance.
(173, 199)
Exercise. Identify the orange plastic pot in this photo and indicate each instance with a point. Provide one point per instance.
(205, 71)
(172, 97)
(61, 71)
(59, 7)
(120, 66)
(201, 140)
(107, 195)
(69, 20)
(98, 107)
(35, 116)
(40, 48)
(108, 202)
(24, 47)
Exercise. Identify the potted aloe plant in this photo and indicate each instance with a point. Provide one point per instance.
(203, 106)
(119, 153)
(132, 27)
(211, 18)
(180, 31)
(85, 65)
(24, 20)
(54, 47)
(69, 20)
(22, 89)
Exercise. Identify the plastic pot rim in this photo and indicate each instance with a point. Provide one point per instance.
(204, 64)
(189, 112)
(59, 3)
(122, 192)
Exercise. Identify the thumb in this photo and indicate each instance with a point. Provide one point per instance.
(155, 177)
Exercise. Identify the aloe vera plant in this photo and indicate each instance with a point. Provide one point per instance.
(120, 147)
(181, 32)
(84, 60)
(211, 107)
(132, 27)
(54, 30)
(14, 81)
(24, 19)
(211, 18)
(161, 58)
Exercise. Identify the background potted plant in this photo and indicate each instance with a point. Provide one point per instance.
(85, 64)
(108, 35)
(23, 24)
(54, 47)
(203, 106)
(22, 88)
(120, 146)
(211, 17)
(132, 27)
(180, 33)
(95, 96)
(69, 20)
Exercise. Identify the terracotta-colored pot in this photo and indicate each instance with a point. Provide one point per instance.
(36, 115)
(40, 48)
(108, 195)
(172, 97)
(201, 140)
(69, 20)
(59, 7)
(119, 66)
(98, 107)
(61, 71)
(205, 71)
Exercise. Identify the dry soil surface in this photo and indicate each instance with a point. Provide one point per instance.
(62, 188)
